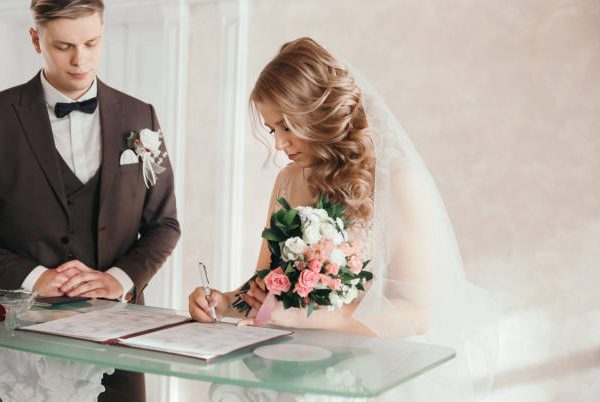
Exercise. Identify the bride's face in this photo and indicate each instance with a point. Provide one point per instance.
(297, 149)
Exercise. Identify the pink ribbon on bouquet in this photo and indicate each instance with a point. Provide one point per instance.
(264, 312)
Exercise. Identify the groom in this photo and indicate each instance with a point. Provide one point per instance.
(77, 218)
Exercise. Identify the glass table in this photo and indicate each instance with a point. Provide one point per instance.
(345, 365)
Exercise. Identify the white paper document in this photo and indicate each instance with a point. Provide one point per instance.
(105, 325)
(204, 341)
(171, 333)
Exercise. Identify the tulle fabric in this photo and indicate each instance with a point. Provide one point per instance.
(419, 291)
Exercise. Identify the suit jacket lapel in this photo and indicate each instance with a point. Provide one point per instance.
(33, 116)
(111, 119)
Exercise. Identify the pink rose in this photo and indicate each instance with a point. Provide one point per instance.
(277, 281)
(351, 247)
(306, 282)
(332, 268)
(319, 250)
(335, 284)
(325, 280)
(302, 291)
(355, 264)
(312, 252)
(315, 264)
(346, 249)
(357, 246)
(326, 247)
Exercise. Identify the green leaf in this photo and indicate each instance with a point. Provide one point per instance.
(246, 286)
(289, 217)
(280, 216)
(269, 234)
(293, 276)
(274, 248)
(320, 202)
(283, 202)
(283, 227)
(272, 234)
(366, 274)
(311, 307)
(262, 273)
(282, 236)
(290, 268)
(293, 227)
(322, 301)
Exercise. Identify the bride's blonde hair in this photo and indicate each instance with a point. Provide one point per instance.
(321, 104)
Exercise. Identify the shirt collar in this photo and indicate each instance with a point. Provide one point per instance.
(52, 95)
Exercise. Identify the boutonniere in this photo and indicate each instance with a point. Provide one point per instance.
(146, 145)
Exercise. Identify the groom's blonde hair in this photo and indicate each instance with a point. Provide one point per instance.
(44, 11)
(321, 104)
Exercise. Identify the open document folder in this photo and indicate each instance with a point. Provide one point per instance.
(170, 333)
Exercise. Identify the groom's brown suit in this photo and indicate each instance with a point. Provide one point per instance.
(42, 222)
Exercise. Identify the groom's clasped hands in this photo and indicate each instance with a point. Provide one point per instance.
(74, 278)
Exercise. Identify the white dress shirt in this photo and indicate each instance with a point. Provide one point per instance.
(78, 141)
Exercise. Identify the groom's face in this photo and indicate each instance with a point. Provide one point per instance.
(71, 49)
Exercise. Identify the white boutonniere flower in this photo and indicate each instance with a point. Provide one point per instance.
(146, 145)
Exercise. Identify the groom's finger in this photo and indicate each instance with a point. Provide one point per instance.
(86, 288)
(70, 272)
(73, 264)
(77, 280)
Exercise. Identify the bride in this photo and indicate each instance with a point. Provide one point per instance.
(343, 142)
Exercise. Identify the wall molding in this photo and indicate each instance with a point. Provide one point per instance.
(234, 58)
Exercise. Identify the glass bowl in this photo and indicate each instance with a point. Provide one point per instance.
(15, 303)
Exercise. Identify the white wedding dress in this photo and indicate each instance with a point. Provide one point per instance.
(417, 269)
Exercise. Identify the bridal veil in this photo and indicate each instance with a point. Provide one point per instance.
(419, 291)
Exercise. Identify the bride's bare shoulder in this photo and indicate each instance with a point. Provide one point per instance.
(289, 172)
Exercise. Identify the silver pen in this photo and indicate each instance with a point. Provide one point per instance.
(206, 287)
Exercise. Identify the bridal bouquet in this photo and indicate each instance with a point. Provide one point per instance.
(313, 264)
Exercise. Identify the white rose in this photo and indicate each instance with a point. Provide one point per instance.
(335, 300)
(328, 229)
(338, 238)
(321, 214)
(311, 234)
(342, 232)
(305, 214)
(309, 215)
(337, 257)
(350, 295)
(292, 249)
(150, 139)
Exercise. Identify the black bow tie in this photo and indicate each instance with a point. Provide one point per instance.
(87, 106)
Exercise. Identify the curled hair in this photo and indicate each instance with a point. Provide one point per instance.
(321, 104)
(44, 11)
